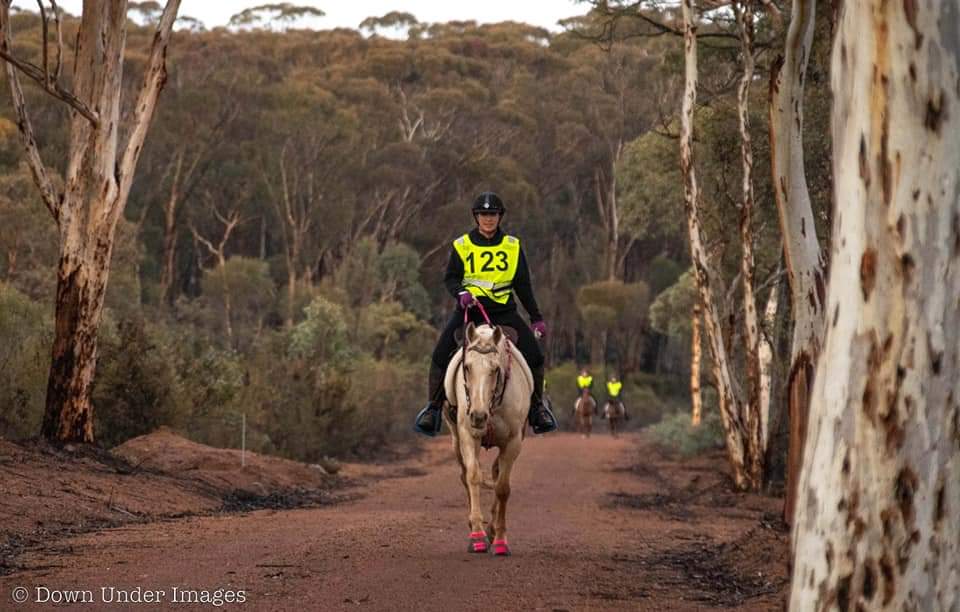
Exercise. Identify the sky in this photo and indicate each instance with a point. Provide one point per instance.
(544, 13)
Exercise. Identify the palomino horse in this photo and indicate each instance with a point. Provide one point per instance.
(615, 413)
(491, 396)
(583, 410)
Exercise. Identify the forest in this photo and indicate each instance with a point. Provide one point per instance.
(294, 206)
(276, 249)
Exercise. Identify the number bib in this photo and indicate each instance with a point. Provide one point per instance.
(488, 271)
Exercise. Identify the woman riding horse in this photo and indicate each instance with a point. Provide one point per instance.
(489, 267)
(614, 410)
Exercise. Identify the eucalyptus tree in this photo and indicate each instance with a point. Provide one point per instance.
(877, 521)
(97, 182)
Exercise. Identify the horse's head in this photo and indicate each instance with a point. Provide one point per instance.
(483, 372)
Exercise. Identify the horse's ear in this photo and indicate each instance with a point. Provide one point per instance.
(471, 332)
(497, 335)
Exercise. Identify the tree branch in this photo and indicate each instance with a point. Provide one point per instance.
(45, 35)
(50, 196)
(58, 70)
(41, 76)
(153, 80)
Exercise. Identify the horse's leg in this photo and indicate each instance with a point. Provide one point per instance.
(496, 500)
(506, 459)
(459, 454)
(470, 450)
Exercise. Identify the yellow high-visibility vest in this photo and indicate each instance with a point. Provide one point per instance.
(613, 388)
(488, 271)
(584, 381)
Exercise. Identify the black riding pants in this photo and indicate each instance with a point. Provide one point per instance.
(526, 341)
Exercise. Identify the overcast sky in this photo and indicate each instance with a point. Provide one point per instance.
(544, 13)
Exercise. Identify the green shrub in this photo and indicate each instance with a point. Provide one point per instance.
(387, 330)
(135, 389)
(322, 336)
(27, 332)
(642, 404)
(675, 434)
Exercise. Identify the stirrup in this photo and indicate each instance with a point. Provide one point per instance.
(438, 421)
(542, 407)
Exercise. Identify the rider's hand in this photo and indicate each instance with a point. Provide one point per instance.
(466, 299)
(540, 329)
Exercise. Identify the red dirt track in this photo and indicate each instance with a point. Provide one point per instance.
(598, 524)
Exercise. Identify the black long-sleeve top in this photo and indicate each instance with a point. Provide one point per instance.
(522, 287)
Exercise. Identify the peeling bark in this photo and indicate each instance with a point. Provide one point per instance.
(752, 416)
(707, 283)
(805, 266)
(765, 359)
(696, 357)
(878, 515)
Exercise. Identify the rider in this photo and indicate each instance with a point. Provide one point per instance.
(488, 267)
(584, 381)
(613, 390)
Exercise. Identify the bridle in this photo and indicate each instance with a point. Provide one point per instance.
(503, 374)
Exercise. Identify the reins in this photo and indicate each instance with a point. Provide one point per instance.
(502, 375)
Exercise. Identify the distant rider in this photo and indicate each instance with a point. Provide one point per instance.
(614, 386)
(584, 381)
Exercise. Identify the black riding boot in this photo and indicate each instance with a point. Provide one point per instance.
(540, 417)
(429, 421)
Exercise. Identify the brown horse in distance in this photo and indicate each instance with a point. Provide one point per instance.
(583, 410)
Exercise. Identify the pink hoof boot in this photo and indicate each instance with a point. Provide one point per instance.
(500, 548)
(478, 542)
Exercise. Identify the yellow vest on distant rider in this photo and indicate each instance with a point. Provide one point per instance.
(584, 382)
(488, 271)
(613, 388)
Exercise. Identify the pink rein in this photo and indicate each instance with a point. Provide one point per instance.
(487, 438)
(483, 311)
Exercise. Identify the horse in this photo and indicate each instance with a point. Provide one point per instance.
(583, 409)
(615, 413)
(488, 385)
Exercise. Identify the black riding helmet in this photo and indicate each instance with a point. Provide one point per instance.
(488, 202)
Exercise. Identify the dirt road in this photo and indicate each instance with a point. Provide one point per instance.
(598, 524)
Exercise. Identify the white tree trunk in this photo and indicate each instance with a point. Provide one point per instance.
(878, 516)
(753, 420)
(730, 404)
(168, 272)
(766, 361)
(696, 357)
(801, 249)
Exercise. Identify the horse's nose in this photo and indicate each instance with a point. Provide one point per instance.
(478, 419)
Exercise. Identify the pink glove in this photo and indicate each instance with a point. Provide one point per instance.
(539, 329)
(466, 300)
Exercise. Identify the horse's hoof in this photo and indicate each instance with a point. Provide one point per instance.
(478, 542)
(500, 548)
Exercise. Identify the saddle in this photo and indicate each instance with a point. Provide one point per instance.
(509, 332)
